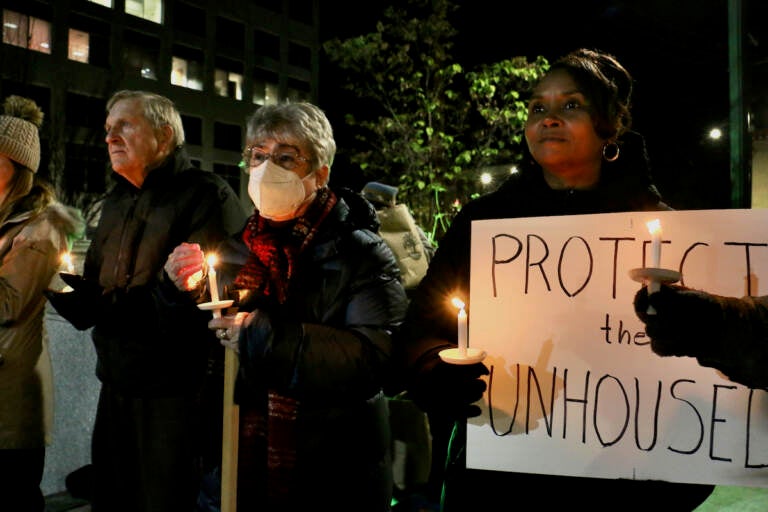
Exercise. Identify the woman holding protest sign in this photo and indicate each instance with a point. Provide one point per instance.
(580, 158)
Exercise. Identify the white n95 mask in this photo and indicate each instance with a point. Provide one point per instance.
(276, 192)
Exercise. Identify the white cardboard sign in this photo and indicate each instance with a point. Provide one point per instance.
(575, 388)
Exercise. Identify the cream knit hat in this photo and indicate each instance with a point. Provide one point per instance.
(19, 125)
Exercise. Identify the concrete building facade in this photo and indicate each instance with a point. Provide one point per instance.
(217, 59)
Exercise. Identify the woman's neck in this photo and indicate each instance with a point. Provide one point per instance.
(574, 178)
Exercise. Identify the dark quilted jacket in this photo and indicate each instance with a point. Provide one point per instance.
(329, 346)
(148, 346)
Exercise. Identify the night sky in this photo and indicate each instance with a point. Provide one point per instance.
(676, 51)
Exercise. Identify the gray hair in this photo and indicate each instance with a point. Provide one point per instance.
(159, 111)
(300, 122)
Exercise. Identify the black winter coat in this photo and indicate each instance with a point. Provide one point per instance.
(329, 346)
(346, 280)
(625, 185)
(147, 345)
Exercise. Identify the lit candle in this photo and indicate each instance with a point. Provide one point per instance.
(654, 226)
(66, 259)
(462, 327)
(213, 285)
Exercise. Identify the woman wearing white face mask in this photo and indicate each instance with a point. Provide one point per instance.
(323, 296)
(277, 190)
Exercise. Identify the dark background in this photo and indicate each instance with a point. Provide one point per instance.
(677, 52)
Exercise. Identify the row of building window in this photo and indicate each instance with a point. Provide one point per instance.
(89, 37)
(33, 33)
(26, 31)
(151, 10)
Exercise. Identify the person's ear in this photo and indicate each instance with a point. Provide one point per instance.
(323, 175)
(165, 136)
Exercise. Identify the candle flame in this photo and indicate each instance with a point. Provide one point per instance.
(66, 259)
(457, 302)
(212, 260)
(654, 226)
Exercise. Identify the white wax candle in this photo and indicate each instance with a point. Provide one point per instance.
(461, 322)
(213, 285)
(654, 226)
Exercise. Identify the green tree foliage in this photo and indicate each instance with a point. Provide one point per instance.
(422, 122)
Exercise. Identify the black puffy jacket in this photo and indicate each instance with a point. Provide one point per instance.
(329, 346)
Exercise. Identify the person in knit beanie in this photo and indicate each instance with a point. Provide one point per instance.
(35, 230)
(19, 125)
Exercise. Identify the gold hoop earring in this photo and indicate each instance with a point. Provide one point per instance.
(613, 154)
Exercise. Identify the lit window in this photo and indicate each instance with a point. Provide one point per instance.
(271, 94)
(105, 3)
(15, 28)
(39, 35)
(228, 84)
(179, 72)
(187, 73)
(79, 45)
(151, 10)
(26, 31)
(264, 93)
(140, 57)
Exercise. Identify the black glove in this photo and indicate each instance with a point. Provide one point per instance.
(82, 306)
(687, 322)
(80, 284)
(449, 389)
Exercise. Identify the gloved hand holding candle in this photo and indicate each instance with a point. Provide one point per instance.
(726, 333)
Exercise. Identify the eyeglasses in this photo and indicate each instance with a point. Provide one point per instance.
(287, 159)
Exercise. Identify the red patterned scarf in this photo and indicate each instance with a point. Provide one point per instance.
(273, 251)
(268, 271)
